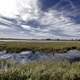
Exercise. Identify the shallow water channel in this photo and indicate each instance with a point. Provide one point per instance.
(29, 56)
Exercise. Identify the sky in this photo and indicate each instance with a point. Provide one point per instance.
(40, 19)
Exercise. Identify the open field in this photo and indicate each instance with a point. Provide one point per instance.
(41, 71)
(55, 46)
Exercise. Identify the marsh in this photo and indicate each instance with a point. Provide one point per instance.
(29, 56)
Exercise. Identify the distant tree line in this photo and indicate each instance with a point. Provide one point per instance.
(41, 39)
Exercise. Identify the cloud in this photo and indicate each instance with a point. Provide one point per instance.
(8, 8)
(32, 22)
(28, 9)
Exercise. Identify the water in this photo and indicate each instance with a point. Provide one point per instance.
(29, 56)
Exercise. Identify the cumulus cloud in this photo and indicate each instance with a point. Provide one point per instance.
(8, 8)
(28, 9)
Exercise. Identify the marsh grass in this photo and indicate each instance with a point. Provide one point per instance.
(59, 47)
(42, 71)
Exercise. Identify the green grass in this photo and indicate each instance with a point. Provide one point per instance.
(40, 46)
(42, 71)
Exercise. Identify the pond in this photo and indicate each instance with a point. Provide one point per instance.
(29, 56)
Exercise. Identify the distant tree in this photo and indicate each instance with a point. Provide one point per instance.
(78, 39)
(58, 39)
(48, 39)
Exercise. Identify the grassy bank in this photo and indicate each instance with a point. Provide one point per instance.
(39, 46)
(42, 71)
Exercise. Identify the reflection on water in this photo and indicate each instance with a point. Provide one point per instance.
(29, 56)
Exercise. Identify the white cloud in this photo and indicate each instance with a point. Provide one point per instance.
(26, 27)
(28, 9)
(8, 8)
(53, 24)
(3, 27)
